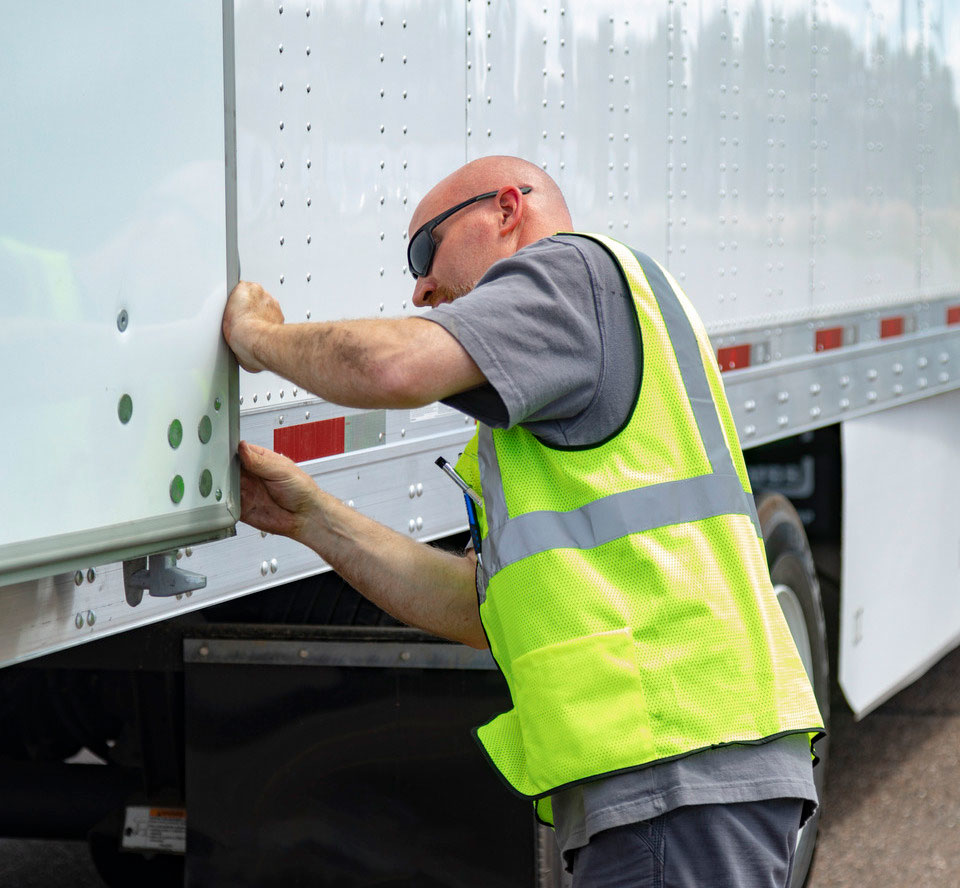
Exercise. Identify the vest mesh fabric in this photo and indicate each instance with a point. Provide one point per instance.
(653, 643)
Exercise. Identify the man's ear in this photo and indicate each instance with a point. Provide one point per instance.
(511, 205)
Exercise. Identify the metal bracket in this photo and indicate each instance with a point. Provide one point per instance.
(159, 577)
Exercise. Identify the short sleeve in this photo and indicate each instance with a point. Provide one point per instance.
(546, 326)
(530, 325)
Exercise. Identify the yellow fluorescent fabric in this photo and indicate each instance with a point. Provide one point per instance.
(643, 644)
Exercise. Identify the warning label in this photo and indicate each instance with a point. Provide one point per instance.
(155, 829)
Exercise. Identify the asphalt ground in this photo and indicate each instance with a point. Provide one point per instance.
(891, 815)
(892, 810)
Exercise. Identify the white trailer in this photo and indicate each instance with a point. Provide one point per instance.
(792, 162)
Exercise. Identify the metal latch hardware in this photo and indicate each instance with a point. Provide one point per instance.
(159, 576)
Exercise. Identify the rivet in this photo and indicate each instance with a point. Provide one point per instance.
(872, 375)
(898, 389)
(814, 412)
(815, 389)
(750, 431)
(78, 621)
(419, 523)
(78, 578)
(403, 432)
(273, 565)
(944, 377)
(264, 568)
(898, 368)
(750, 406)
(783, 421)
(420, 490)
(91, 618)
(922, 382)
(783, 397)
(412, 525)
(122, 320)
(871, 396)
(405, 655)
(844, 381)
(844, 403)
(412, 491)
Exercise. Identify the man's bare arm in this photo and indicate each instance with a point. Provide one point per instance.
(420, 585)
(404, 362)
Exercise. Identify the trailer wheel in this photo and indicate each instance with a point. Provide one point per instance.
(794, 579)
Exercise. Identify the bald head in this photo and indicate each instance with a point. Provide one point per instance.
(545, 210)
(521, 205)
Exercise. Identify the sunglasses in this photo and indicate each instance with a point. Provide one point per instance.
(422, 246)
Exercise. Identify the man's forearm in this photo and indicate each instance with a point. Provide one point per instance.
(420, 585)
(347, 362)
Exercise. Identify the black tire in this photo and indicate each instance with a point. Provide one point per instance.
(794, 578)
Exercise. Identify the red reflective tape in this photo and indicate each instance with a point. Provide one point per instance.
(310, 440)
(891, 327)
(734, 357)
(832, 337)
(953, 315)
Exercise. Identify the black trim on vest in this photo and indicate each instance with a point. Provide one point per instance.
(636, 397)
(818, 733)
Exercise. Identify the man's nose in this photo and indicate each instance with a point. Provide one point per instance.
(423, 290)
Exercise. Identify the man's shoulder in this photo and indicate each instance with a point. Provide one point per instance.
(564, 259)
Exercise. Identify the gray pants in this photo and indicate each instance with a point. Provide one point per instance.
(745, 845)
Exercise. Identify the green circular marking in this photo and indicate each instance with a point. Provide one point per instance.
(176, 489)
(217, 404)
(175, 434)
(219, 494)
(125, 409)
(206, 483)
(205, 430)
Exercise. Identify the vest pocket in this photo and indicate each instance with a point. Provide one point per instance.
(581, 708)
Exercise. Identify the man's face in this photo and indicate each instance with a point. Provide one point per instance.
(466, 246)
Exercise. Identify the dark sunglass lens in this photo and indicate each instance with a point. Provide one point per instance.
(420, 253)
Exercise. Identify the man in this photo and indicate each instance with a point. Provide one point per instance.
(662, 719)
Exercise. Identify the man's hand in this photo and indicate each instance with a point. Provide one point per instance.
(249, 314)
(275, 495)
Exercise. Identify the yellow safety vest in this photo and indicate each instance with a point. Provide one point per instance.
(624, 590)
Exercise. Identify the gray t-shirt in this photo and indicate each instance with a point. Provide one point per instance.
(554, 331)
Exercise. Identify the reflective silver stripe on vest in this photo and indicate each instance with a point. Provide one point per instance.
(494, 504)
(612, 517)
(633, 511)
(694, 376)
